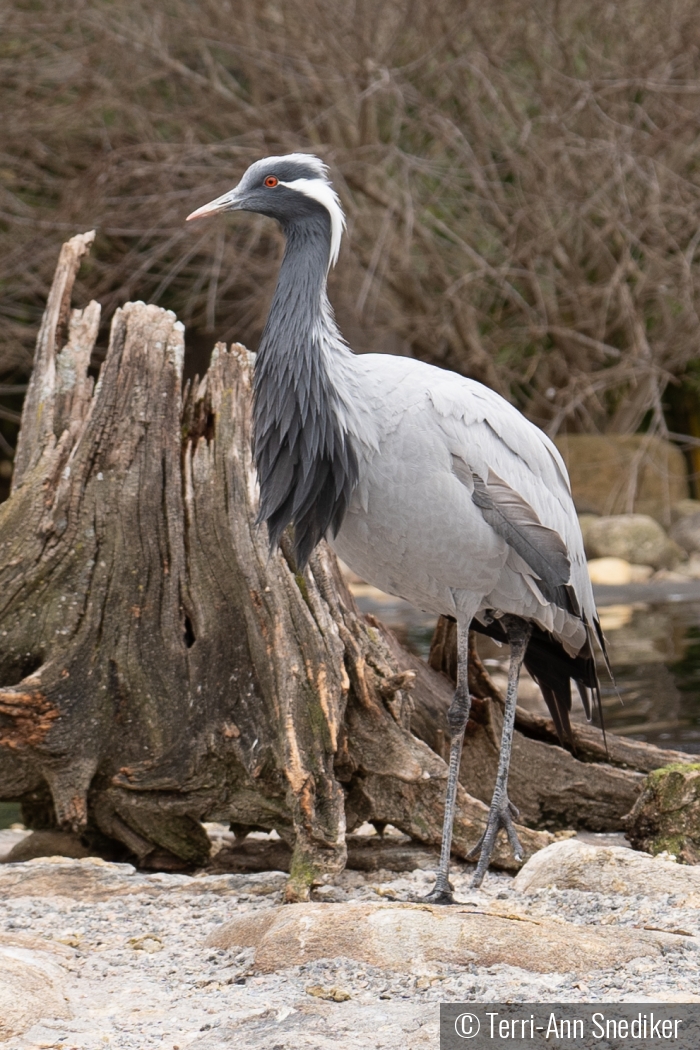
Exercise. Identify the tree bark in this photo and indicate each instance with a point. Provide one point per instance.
(159, 667)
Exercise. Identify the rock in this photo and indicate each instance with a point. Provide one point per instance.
(666, 816)
(47, 844)
(616, 572)
(9, 837)
(93, 879)
(585, 521)
(31, 988)
(641, 573)
(686, 532)
(573, 865)
(683, 508)
(602, 467)
(691, 568)
(671, 575)
(636, 538)
(414, 937)
(150, 944)
(613, 572)
(334, 994)
(186, 995)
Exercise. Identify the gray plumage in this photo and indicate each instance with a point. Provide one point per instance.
(541, 548)
(307, 467)
(429, 485)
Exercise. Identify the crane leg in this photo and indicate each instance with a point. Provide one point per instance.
(457, 718)
(502, 809)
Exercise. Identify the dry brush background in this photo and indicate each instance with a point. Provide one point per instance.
(520, 179)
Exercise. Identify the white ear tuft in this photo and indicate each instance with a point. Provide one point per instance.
(309, 160)
(322, 191)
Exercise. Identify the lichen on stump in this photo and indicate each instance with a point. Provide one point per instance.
(666, 816)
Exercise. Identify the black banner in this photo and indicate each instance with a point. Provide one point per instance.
(569, 1026)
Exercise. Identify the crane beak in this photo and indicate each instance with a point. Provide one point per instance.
(226, 201)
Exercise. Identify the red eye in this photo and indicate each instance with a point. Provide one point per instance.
(271, 181)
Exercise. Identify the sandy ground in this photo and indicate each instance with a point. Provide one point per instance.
(137, 974)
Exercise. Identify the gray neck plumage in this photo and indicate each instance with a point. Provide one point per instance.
(306, 465)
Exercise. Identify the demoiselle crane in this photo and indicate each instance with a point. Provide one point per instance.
(428, 485)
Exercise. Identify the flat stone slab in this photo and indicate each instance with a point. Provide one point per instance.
(414, 937)
(94, 879)
(31, 986)
(573, 865)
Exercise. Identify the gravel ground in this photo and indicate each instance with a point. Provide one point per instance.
(140, 977)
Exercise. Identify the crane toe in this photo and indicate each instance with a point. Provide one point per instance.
(500, 816)
(441, 893)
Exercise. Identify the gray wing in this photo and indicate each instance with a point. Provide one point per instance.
(516, 522)
(520, 484)
(521, 475)
(514, 478)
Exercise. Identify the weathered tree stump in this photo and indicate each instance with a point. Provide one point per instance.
(159, 668)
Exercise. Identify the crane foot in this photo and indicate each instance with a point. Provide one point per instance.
(500, 816)
(441, 893)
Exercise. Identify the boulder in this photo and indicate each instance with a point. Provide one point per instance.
(31, 989)
(606, 470)
(585, 521)
(666, 816)
(47, 844)
(683, 508)
(636, 538)
(9, 838)
(414, 937)
(686, 532)
(616, 572)
(574, 865)
(691, 569)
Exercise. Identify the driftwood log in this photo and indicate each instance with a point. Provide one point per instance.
(159, 668)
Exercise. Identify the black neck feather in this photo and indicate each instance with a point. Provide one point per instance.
(306, 465)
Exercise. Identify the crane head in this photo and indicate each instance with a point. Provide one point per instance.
(289, 189)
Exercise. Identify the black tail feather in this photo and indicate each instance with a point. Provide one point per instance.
(555, 701)
(585, 693)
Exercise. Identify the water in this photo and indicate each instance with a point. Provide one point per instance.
(655, 655)
(10, 813)
(653, 635)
